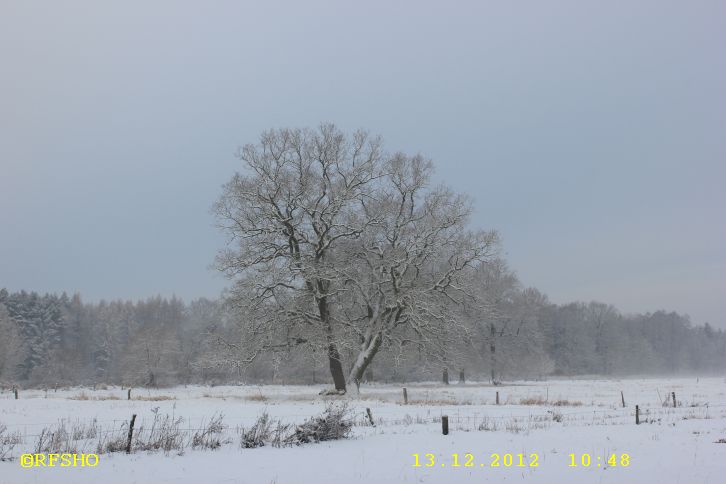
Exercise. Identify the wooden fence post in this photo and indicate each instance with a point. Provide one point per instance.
(673, 394)
(461, 376)
(15, 390)
(128, 395)
(131, 433)
(446, 376)
(497, 398)
(370, 417)
(445, 424)
(405, 396)
(637, 415)
(622, 398)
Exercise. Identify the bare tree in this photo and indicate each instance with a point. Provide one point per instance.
(412, 270)
(334, 243)
(285, 217)
(504, 320)
(603, 322)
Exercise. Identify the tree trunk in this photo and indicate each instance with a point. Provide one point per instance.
(336, 367)
(365, 356)
(492, 352)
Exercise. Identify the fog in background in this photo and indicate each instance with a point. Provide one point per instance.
(590, 134)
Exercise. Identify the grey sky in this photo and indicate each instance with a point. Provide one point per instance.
(590, 133)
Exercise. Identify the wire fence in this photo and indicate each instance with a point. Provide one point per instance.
(386, 416)
(110, 435)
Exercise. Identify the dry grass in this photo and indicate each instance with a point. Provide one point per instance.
(66, 437)
(153, 398)
(222, 396)
(257, 398)
(489, 425)
(567, 403)
(438, 401)
(165, 433)
(8, 441)
(84, 396)
(210, 435)
(555, 403)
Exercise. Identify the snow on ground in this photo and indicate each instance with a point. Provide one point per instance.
(672, 445)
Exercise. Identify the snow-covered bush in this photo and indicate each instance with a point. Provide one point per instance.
(335, 423)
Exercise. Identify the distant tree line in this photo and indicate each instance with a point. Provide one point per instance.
(52, 339)
(49, 339)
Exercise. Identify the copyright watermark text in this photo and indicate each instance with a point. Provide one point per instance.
(58, 460)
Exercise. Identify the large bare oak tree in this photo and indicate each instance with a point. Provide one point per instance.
(334, 243)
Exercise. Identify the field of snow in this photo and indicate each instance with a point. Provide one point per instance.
(551, 419)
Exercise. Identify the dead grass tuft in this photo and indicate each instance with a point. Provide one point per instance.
(439, 401)
(555, 403)
(153, 398)
(567, 403)
(84, 396)
(8, 441)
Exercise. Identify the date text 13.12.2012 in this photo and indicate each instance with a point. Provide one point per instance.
(516, 460)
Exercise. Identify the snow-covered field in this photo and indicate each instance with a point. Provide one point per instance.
(551, 419)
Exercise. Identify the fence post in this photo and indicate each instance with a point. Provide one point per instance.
(131, 433)
(128, 395)
(461, 376)
(405, 396)
(445, 424)
(370, 417)
(446, 376)
(497, 398)
(15, 390)
(622, 398)
(673, 394)
(637, 415)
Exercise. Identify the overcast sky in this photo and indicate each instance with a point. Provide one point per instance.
(591, 134)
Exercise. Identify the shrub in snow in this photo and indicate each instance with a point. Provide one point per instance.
(210, 435)
(335, 423)
(8, 441)
(258, 434)
(60, 439)
(108, 444)
(165, 434)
